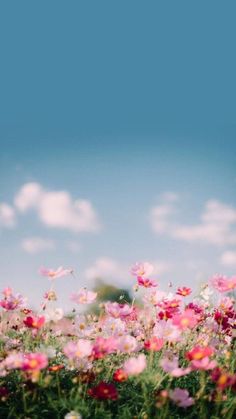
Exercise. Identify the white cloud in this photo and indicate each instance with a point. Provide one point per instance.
(217, 225)
(104, 268)
(228, 258)
(57, 208)
(7, 215)
(37, 244)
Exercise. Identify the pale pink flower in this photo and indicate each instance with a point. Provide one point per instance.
(203, 364)
(7, 292)
(185, 320)
(167, 331)
(14, 360)
(104, 346)
(80, 349)
(112, 326)
(172, 367)
(53, 274)
(181, 397)
(134, 366)
(222, 283)
(142, 269)
(118, 310)
(84, 296)
(127, 344)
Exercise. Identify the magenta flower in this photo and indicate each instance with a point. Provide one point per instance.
(10, 301)
(53, 274)
(222, 283)
(134, 366)
(34, 361)
(142, 269)
(181, 397)
(84, 296)
(145, 282)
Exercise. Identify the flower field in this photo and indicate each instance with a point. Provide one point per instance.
(164, 355)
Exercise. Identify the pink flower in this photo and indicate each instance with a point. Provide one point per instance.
(84, 296)
(34, 361)
(145, 282)
(34, 322)
(184, 291)
(203, 364)
(10, 301)
(142, 269)
(80, 349)
(53, 274)
(167, 331)
(127, 344)
(134, 366)
(118, 310)
(222, 283)
(172, 367)
(185, 320)
(154, 344)
(104, 346)
(181, 397)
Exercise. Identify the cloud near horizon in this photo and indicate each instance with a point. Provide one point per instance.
(217, 224)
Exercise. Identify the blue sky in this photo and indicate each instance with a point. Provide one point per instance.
(131, 107)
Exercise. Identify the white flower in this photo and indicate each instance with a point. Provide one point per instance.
(53, 314)
(73, 415)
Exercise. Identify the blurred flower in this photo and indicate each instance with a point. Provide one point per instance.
(73, 415)
(134, 366)
(181, 397)
(147, 283)
(116, 310)
(104, 346)
(10, 301)
(53, 274)
(187, 319)
(34, 322)
(172, 367)
(127, 344)
(120, 376)
(34, 361)
(104, 391)
(84, 296)
(154, 344)
(53, 314)
(142, 269)
(222, 283)
(80, 349)
(184, 291)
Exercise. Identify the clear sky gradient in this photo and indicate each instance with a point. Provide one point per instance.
(130, 106)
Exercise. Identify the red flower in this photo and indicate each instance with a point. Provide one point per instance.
(199, 352)
(103, 391)
(55, 368)
(34, 322)
(120, 376)
(223, 379)
(154, 344)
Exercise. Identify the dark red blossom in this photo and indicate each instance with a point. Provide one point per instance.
(104, 391)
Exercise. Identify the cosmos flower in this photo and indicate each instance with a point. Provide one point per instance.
(134, 366)
(181, 397)
(120, 376)
(146, 283)
(127, 344)
(104, 391)
(222, 283)
(84, 296)
(80, 349)
(34, 322)
(116, 310)
(142, 269)
(172, 367)
(185, 320)
(154, 344)
(34, 361)
(183, 291)
(55, 273)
